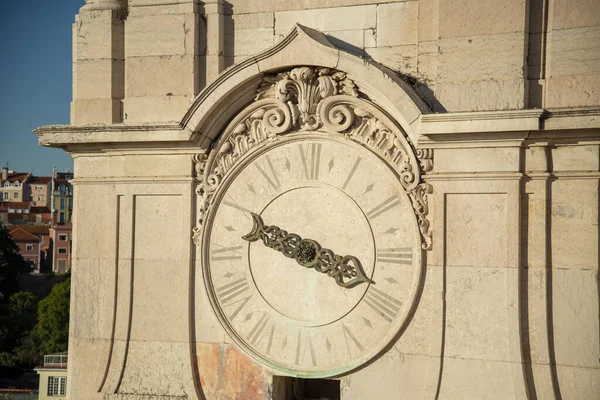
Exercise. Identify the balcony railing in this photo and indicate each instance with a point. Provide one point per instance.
(56, 360)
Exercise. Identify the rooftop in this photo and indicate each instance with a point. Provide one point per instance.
(21, 234)
(40, 179)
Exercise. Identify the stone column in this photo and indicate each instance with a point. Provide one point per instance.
(215, 39)
(98, 62)
(163, 59)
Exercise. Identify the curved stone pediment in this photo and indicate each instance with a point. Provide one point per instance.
(303, 46)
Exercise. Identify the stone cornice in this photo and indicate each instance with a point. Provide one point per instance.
(68, 135)
(104, 5)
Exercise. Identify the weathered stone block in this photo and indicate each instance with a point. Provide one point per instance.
(253, 21)
(96, 111)
(252, 41)
(477, 380)
(404, 375)
(156, 108)
(93, 286)
(481, 95)
(575, 51)
(573, 90)
(575, 13)
(160, 75)
(471, 58)
(574, 219)
(328, 19)
(99, 79)
(100, 37)
(481, 17)
(351, 41)
(399, 58)
(477, 230)
(153, 35)
(429, 19)
(227, 373)
(397, 23)
(245, 6)
(428, 61)
(576, 158)
(477, 313)
(575, 305)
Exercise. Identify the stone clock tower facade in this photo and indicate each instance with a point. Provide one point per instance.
(342, 199)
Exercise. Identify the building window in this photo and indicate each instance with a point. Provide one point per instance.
(63, 237)
(29, 247)
(57, 386)
(62, 203)
(5, 195)
(62, 250)
(39, 187)
(61, 218)
(40, 198)
(15, 195)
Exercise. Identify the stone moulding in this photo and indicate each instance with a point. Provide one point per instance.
(314, 99)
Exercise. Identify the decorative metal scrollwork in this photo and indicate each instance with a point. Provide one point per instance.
(346, 270)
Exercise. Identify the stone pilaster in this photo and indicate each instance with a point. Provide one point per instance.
(164, 69)
(98, 62)
(215, 35)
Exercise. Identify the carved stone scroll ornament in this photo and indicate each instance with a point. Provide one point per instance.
(346, 270)
(309, 99)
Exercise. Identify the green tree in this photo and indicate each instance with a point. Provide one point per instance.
(20, 321)
(53, 319)
(12, 264)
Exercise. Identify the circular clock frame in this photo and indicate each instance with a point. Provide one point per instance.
(314, 103)
(401, 320)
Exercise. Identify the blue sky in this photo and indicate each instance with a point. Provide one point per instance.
(35, 80)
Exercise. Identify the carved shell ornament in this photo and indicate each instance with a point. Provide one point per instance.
(311, 99)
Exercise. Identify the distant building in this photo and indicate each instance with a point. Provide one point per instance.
(62, 196)
(29, 247)
(39, 189)
(13, 185)
(53, 377)
(59, 250)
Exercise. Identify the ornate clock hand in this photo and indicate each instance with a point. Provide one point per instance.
(346, 270)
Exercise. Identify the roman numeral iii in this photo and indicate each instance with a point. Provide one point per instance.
(395, 255)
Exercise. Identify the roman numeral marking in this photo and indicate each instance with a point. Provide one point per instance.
(396, 255)
(385, 206)
(383, 304)
(226, 253)
(300, 354)
(352, 171)
(231, 293)
(348, 334)
(254, 335)
(237, 207)
(311, 160)
(271, 178)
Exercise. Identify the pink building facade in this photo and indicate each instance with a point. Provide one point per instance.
(29, 247)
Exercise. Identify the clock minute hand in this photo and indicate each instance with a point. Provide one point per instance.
(346, 270)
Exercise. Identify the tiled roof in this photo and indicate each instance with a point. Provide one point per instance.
(20, 234)
(19, 204)
(36, 229)
(40, 179)
(39, 210)
(17, 176)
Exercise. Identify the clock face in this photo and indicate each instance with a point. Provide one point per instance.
(311, 255)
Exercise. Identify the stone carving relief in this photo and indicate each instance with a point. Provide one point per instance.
(314, 99)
